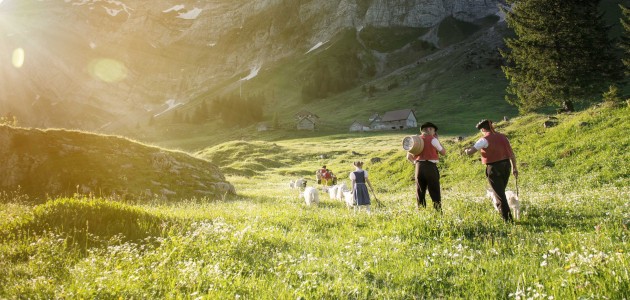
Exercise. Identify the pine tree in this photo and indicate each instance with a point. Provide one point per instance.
(275, 121)
(625, 39)
(561, 53)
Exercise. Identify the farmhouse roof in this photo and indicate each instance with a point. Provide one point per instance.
(397, 115)
(374, 117)
(358, 123)
(305, 114)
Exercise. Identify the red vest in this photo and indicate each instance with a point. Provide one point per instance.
(428, 152)
(498, 148)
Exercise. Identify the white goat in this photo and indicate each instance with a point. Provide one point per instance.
(311, 195)
(341, 189)
(512, 199)
(298, 183)
(348, 198)
(332, 191)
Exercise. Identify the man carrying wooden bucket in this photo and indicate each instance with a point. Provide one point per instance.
(426, 174)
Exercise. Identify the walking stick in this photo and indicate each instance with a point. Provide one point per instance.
(377, 201)
(516, 182)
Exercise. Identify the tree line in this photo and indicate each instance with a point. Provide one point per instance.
(325, 78)
(232, 110)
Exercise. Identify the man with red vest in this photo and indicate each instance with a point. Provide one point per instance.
(427, 175)
(500, 161)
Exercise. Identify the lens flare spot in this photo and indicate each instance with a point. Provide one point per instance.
(108, 70)
(18, 58)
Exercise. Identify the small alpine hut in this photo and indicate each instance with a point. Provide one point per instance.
(262, 126)
(398, 120)
(359, 127)
(306, 120)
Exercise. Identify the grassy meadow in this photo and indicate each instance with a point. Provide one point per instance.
(572, 241)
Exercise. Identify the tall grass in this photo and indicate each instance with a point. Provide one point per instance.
(571, 242)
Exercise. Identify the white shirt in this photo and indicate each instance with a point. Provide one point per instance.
(481, 143)
(365, 174)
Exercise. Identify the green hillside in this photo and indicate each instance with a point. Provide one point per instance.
(570, 242)
(558, 156)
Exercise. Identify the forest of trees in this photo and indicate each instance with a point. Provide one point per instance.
(238, 111)
(232, 110)
(326, 78)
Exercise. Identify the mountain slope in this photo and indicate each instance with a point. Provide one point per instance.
(110, 65)
(585, 150)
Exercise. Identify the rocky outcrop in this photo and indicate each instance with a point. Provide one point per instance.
(425, 13)
(55, 163)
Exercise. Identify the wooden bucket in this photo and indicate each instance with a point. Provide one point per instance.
(413, 144)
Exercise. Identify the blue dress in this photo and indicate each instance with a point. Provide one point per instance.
(361, 195)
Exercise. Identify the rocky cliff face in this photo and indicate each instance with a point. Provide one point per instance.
(93, 63)
(423, 13)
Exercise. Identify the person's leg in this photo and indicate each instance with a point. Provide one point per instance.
(433, 180)
(421, 187)
(498, 175)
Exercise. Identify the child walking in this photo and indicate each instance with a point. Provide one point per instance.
(359, 179)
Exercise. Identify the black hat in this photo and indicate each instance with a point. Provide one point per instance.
(485, 123)
(428, 124)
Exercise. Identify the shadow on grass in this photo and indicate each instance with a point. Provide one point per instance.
(540, 219)
(87, 223)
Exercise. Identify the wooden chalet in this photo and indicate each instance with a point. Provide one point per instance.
(359, 127)
(395, 120)
(306, 120)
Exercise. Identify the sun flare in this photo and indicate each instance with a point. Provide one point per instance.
(108, 70)
(18, 58)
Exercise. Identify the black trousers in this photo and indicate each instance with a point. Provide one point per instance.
(498, 174)
(428, 177)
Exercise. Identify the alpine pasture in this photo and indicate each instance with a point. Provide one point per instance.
(572, 241)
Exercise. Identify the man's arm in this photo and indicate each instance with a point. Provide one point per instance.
(481, 143)
(470, 150)
(438, 146)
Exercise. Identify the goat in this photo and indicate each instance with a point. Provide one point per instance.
(311, 196)
(342, 188)
(512, 200)
(348, 197)
(299, 183)
(332, 191)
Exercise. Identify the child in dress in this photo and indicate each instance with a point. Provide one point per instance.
(359, 180)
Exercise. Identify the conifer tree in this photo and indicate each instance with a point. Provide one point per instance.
(625, 39)
(561, 53)
(275, 121)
